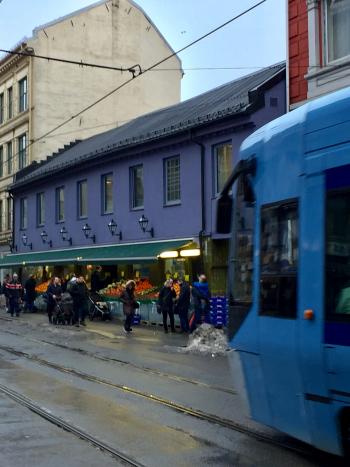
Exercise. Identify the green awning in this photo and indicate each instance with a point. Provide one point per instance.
(107, 254)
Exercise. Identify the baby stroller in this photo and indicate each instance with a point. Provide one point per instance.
(98, 307)
(63, 311)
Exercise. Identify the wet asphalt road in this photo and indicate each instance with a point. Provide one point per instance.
(151, 433)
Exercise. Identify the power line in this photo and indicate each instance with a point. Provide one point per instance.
(30, 53)
(137, 74)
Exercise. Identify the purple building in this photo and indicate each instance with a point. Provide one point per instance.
(89, 203)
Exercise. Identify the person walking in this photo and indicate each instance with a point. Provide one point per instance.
(54, 293)
(183, 304)
(5, 292)
(30, 293)
(166, 298)
(201, 301)
(14, 292)
(129, 305)
(79, 293)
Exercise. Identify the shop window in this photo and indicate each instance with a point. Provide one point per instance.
(82, 199)
(222, 165)
(279, 260)
(136, 179)
(2, 108)
(60, 204)
(23, 213)
(40, 206)
(107, 194)
(23, 94)
(338, 255)
(337, 35)
(172, 180)
(22, 151)
(10, 102)
(9, 158)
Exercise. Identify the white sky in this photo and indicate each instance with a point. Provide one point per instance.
(255, 40)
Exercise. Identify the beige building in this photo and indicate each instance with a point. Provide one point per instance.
(37, 95)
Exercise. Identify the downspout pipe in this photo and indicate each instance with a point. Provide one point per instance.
(203, 213)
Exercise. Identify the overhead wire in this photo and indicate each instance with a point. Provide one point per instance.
(137, 75)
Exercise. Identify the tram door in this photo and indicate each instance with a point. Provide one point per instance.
(278, 324)
(337, 282)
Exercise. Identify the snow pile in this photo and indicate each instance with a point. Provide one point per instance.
(207, 340)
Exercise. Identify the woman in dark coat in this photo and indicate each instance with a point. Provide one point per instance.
(183, 304)
(30, 293)
(79, 293)
(166, 298)
(54, 292)
(129, 305)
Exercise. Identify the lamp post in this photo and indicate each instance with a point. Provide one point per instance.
(64, 235)
(44, 236)
(112, 227)
(25, 241)
(87, 232)
(143, 223)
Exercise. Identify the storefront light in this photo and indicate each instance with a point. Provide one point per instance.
(193, 252)
(169, 254)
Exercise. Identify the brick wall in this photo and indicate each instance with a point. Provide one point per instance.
(298, 50)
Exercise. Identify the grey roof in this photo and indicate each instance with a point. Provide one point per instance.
(229, 99)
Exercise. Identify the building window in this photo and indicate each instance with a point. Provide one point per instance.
(136, 178)
(338, 29)
(10, 102)
(9, 158)
(279, 260)
(222, 165)
(40, 209)
(22, 151)
(60, 204)
(1, 215)
(23, 213)
(172, 180)
(9, 214)
(82, 199)
(2, 108)
(1, 161)
(23, 94)
(107, 194)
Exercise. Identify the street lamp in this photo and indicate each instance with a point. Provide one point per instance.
(25, 241)
(143, 222)
(112, 226)
(64, 235)
(87, 232)
(44, 236)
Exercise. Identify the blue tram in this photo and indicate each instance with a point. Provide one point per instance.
(289, 271)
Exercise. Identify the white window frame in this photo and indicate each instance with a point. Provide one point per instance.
(171, 202)
(326, 39)
(23, 213)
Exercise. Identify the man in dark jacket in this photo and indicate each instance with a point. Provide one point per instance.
(183, 304)
(14, 292)
(30, 293)
(54, 292)
(129, 305)
(79, 293)
(201, 302)
(166, 298)
(96, 280)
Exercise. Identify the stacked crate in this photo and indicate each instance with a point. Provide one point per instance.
(218, 311)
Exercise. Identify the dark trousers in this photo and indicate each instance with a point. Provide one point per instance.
(80, 312)
(14, 306)
(183, 315)
(129, 317)
(165, 314)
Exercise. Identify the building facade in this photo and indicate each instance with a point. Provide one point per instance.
(37, 95)
(318, 48)
(165, 169)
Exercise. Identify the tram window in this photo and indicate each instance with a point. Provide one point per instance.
(279, 260)
(338, 255)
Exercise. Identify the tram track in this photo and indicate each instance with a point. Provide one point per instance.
(144, 369)
(65, 425)
(189, 411)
